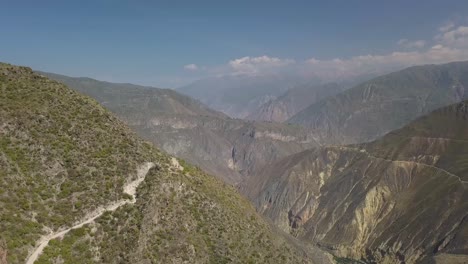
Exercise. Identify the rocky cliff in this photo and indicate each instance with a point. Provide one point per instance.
(400, 199)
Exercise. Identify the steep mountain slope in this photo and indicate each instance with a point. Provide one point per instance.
(383, 104)
(239, 95)
(63, 157)
(294, 101)
(229, 148)
(400, 199)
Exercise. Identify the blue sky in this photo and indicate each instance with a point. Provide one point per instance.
(150, 42)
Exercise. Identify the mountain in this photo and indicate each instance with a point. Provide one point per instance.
(388, 102)
(293, 101)
(229, 148)
(239, 95)
(71, 170)
(400, 199)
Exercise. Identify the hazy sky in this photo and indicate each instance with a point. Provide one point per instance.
(170, 43)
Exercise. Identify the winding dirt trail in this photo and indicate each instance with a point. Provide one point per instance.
(129, 188)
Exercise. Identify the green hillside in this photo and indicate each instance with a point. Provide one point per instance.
(62, 156)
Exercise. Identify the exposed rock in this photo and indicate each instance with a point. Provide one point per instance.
(402, 198)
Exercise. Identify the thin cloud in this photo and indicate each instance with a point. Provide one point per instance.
(255, 65)
(411, 44)
(191, 67)
(447, 26)
(342, 68)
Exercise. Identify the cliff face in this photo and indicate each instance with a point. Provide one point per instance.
(63, 156)
(234, 149)
(229, 148)
(376, 107)
(402, 198)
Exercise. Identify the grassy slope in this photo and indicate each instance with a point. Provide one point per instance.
(61, 155)
(64, 155)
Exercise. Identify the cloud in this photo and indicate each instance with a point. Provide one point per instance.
(342, 68)
(191, 67)
(450, 43)
(411, 44)
(457, 37)
(256, 65)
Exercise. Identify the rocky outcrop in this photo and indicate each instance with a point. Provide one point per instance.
(400, 199)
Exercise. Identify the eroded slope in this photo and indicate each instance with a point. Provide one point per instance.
(402, 198)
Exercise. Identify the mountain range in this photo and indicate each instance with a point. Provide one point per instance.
(375, 173)
(378, 106)
(240, 95)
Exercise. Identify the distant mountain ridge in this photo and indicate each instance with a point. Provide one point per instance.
(293, 101)
(400, 199)
(239, 95)
(388, 102)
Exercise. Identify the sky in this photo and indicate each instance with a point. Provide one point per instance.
(172, 43)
